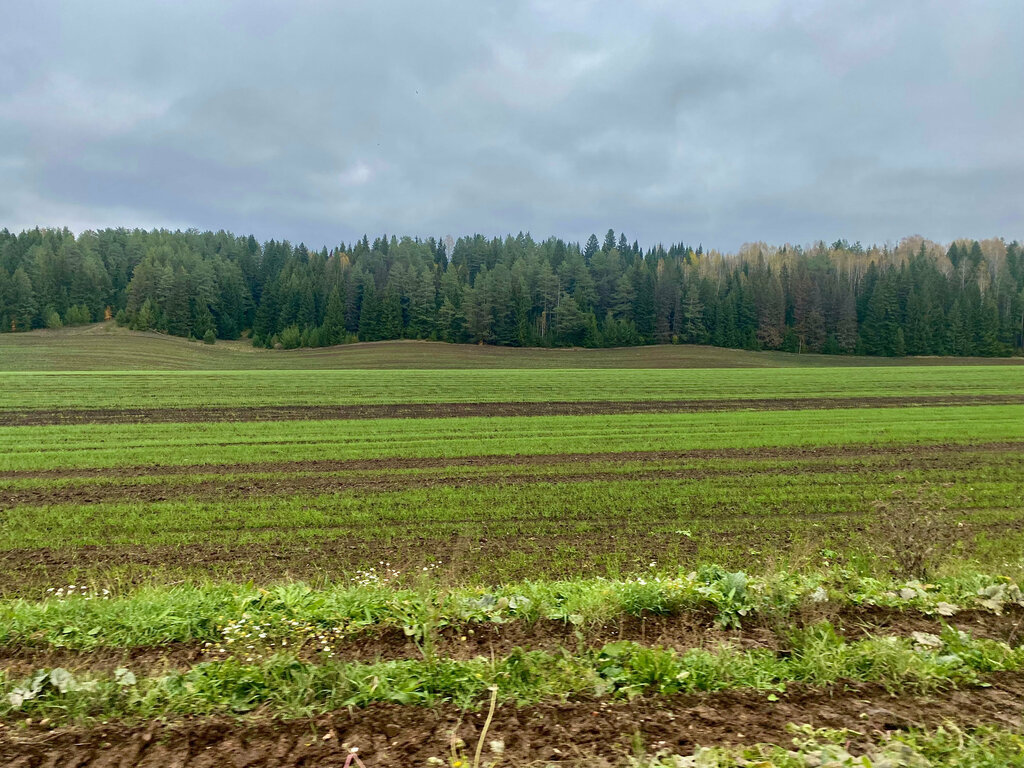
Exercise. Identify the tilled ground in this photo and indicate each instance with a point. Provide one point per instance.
(41, 417)
(595, 733)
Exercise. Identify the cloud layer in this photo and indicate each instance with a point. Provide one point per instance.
(705, 122)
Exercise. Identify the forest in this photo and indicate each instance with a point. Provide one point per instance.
(915, 298)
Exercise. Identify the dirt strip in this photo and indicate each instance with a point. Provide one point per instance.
(783, 453)
(680, 632)
(43, 417)
(594, 733)
(317, 483)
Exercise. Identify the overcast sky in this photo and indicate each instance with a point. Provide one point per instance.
(713, 122)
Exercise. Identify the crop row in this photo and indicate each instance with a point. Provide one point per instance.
(286, 479)
(180, 389)
(652, 505)
(496, 532)
(108, 445)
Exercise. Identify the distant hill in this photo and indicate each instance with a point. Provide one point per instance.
(105, 347)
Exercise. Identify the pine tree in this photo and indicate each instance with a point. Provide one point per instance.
(881, 323)
(333, 329)
(609, 241)
(422, 306)
(391, 314)
(958, 330)
(692, 330)
(22, 299)
(478, 312)
(570, 322)
(986, 330)
(370, 327)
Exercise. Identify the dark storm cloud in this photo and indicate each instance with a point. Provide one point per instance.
(712, 122)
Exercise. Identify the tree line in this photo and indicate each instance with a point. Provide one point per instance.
(916, 298)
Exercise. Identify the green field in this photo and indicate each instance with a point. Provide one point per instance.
(138, 389)
(332, 549)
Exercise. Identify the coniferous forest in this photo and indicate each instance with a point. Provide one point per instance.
(918, 298)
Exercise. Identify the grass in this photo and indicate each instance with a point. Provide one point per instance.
(575, 524)
(285, 686)
(105, 346)
(527, 522)
(89, 617)
(118, 445)
(240, 389)
(943, 747)
(515, 515)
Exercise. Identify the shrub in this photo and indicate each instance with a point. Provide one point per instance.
(51, 319)
(915, 533)
(290, 337)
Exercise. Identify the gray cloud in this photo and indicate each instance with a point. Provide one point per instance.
(713, 122)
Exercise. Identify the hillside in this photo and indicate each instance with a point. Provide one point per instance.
(107, 347)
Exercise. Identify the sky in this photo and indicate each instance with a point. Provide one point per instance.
(713, 122)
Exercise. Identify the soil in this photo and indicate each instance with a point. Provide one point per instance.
(593, 733)
(41, 417)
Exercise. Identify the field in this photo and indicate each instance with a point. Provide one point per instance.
(106, 347)
(474, 557)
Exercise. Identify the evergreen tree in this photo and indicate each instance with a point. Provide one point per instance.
(391, 314)
(22, 299)
(958, 332)
(511, 291)
(370, 319)
(609, 241)
(570, 322)
(881, 332)
(692, 330)
(333, 329)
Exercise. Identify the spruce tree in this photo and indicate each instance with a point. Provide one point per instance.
(333, 329)
(370, 328)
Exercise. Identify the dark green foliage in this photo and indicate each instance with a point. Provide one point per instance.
(839, 299)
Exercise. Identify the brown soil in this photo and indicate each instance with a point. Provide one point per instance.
(10, 418)
(593, 733)
(680, 632)
(313, 484)
(782, 453)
